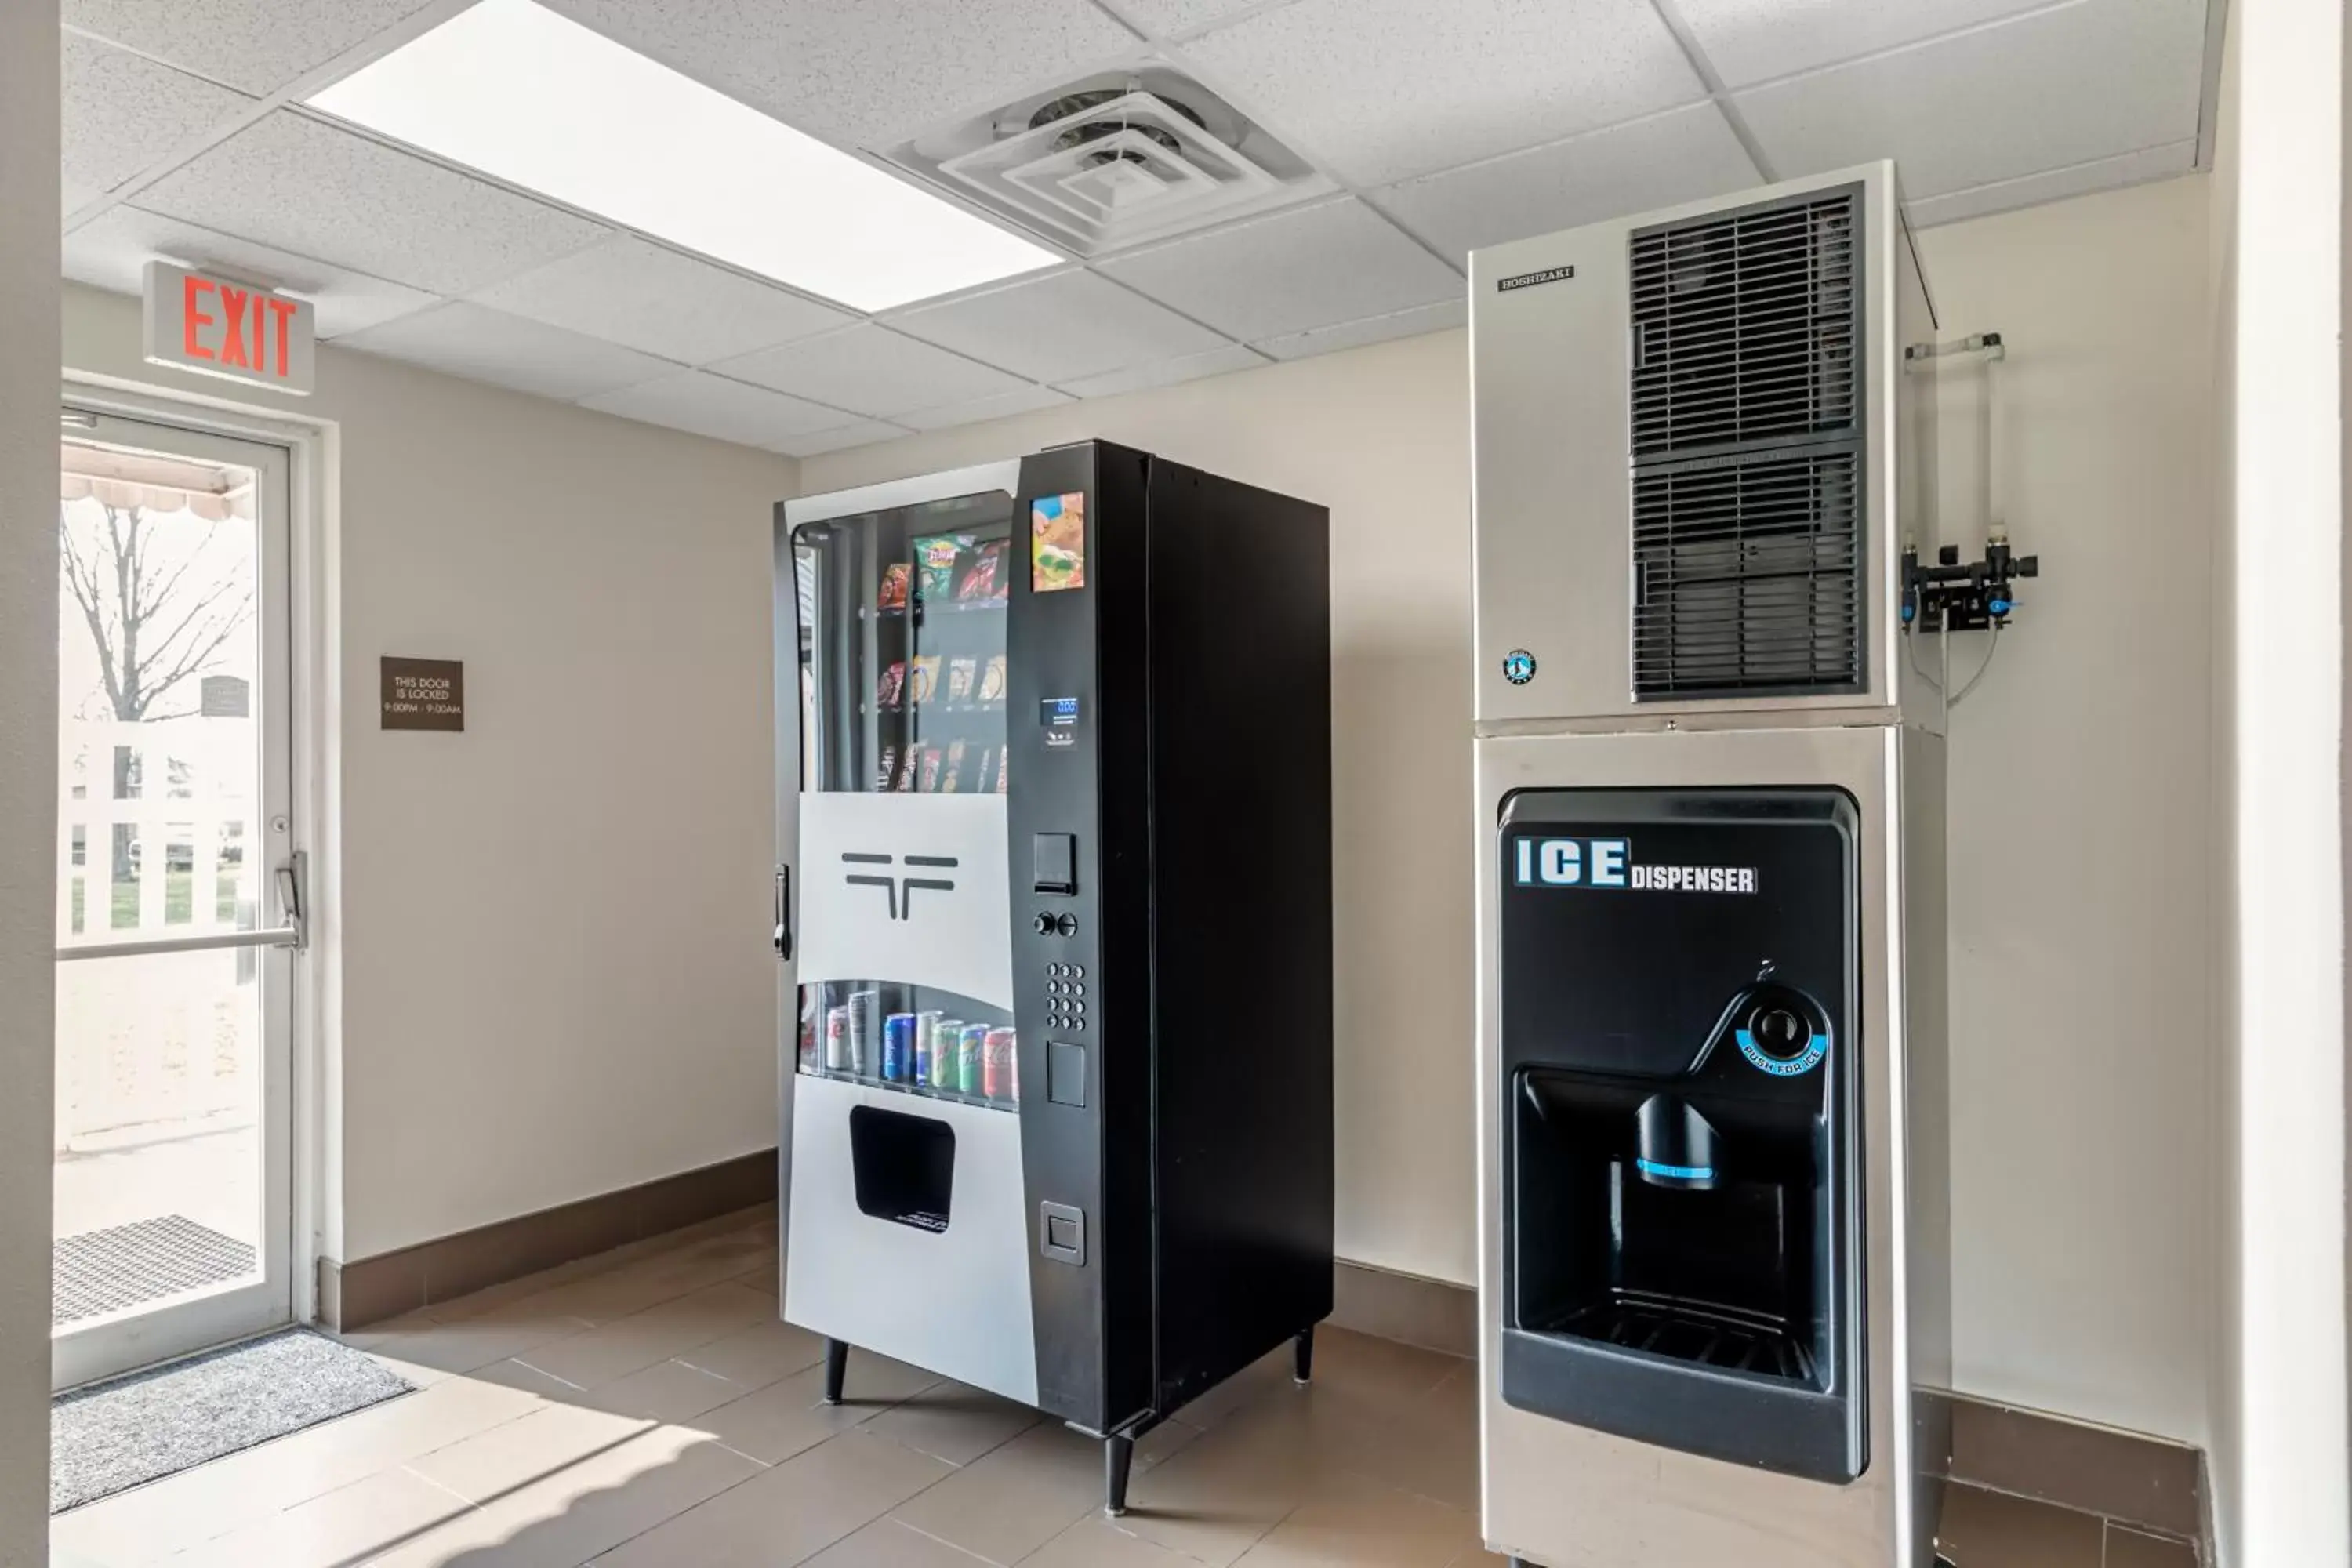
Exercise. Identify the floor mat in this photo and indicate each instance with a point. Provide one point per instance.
(113, 1435)
(129, 1265)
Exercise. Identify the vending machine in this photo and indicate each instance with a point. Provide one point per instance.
(1054, 736)
(1714, 1213)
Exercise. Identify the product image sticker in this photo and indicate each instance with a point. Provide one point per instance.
(1058, 543)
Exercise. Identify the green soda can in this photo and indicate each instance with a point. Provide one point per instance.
(970, 1044)
(945, 1033)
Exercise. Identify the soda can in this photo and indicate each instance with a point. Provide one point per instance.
(944, 1035)
(865, 1049)
(927, 1030)
(898, 1045)
(836, 1040)
(996, 1065)
(971, 1046)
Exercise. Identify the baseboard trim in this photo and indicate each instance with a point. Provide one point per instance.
(2145, 1483)
(359, 1291)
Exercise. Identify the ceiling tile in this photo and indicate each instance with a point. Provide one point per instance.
(1382, 89)
(1168, 373)
(483, 344)
(864, 72)
(317, 190)
(1168, 18)
(1059, 328)
(864, 433)
(1750, 41)
(113, 249)
(256, 44)
(1311, 267)
(1681, 156)
(721, 409)
(2106, 175)
(121, 114)
(648, 297)
(1378, 330)
(2082, 82)
(1028, 400)
(870, 369)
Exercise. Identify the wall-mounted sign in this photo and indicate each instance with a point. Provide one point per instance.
(218, 326)
(423, 694)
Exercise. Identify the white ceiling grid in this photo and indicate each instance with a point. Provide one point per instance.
(1446, 124)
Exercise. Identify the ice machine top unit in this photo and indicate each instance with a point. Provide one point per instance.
(1057, 1124)
(1690, 495)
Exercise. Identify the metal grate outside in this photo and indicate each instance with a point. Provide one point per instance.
(128, 1265)
(1746, 327)
(1748, 575)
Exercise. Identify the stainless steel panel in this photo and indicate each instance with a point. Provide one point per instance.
(1570, 1498)
(1551, 454)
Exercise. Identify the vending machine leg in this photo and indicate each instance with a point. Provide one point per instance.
(836, 1368)
(1118, 1457)
(1302, 1357)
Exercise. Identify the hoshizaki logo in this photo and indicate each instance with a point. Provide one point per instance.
(1608, 863)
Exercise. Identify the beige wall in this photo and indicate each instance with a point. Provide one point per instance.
(2083, 936)
(548, 952)
(28, 768)
(1382, 436)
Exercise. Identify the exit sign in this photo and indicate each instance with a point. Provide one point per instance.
(219, 326)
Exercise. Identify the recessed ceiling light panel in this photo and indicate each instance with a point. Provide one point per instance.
(536, 100)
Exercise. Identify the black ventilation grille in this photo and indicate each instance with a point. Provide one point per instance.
(1748, 575)
(1744, 327)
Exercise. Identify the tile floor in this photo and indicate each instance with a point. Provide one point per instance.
(645, 1409)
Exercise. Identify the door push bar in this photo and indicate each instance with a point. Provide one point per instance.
(292, 877)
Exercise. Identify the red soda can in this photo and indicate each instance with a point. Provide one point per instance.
(996, 1064)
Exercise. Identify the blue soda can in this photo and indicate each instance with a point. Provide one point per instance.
(898, 1045)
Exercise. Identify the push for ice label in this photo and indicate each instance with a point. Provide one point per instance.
(1609, 864)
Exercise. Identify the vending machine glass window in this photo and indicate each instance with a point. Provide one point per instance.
(902, 682)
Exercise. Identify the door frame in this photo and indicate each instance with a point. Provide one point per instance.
(311, 651)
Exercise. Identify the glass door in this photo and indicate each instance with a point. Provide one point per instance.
(902, 667)
(178, 895)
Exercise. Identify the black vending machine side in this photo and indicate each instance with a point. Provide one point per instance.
(1080, 891)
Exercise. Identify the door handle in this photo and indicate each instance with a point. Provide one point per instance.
(785, 914)
(292, 877)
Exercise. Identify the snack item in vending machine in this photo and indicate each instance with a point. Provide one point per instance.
(906, 779)
(981, 579)
(992, 681)
(892, 595)
(886, 774)
(932, 758)
(935, 560)
(951, 771)
(891, 686)
(923, 680)
(1003, 766)
(962, 677)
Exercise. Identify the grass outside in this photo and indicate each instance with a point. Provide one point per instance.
(179, 901)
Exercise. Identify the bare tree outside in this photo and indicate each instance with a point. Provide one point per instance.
(160, 605)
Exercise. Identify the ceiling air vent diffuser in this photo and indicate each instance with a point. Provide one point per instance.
(1115, 161)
